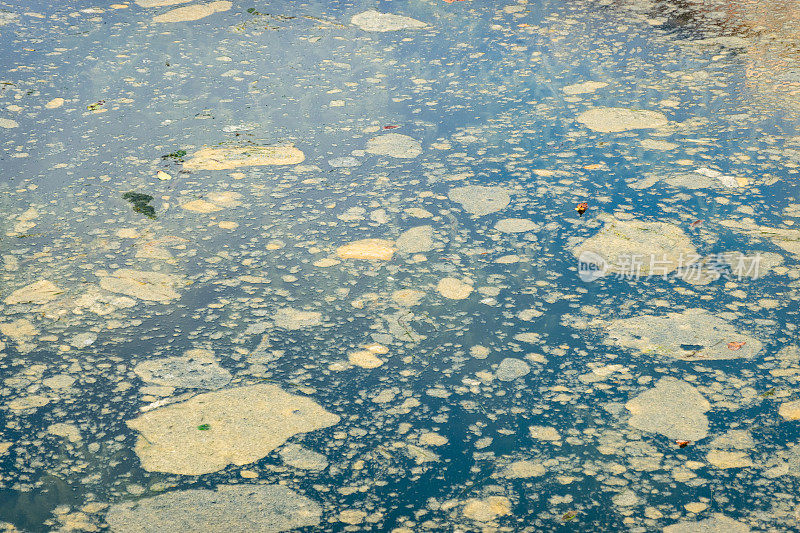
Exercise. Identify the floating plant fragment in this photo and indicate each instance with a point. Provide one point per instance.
(177, 155)
(141, 203)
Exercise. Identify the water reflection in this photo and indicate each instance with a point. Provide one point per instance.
(279, 259)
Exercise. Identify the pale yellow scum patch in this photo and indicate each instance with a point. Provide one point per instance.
(244, 425)
(54, 103)
(195, 12)
(453, 288)
(243, 156)
(368, 249)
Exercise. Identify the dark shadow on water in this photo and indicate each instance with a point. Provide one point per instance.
(29, 511)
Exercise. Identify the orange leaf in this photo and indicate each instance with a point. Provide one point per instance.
(735, 345)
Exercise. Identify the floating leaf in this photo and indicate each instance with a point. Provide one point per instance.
(177, 155)
(141, 203)
(683, 443)
(581, 208)
(204, 427)
(695, 223)
(96, 105)
(569, 515)
(768, 393)
(736, 345)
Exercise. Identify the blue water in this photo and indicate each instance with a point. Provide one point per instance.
(481, 89)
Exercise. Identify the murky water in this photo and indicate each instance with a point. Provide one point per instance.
(400, 266)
